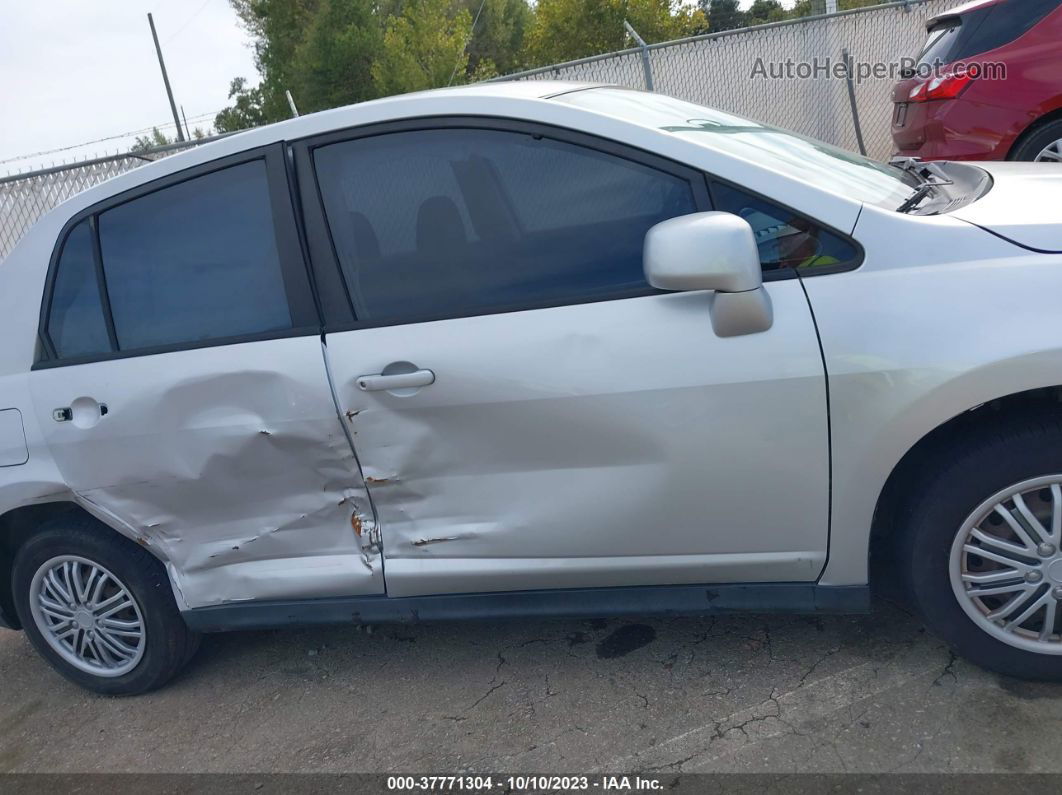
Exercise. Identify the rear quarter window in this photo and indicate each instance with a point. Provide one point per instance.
(76, 323)
(209, 256)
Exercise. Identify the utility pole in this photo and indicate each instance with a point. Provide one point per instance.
(166, 80)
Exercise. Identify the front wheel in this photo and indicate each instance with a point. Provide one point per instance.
(99, 608)
(982, 548)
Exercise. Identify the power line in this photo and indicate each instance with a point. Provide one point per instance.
(105, 139)
(187, 22)
(471, 30)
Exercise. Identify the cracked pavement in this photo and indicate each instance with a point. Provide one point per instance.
(771, 694)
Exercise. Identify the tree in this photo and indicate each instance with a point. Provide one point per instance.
(145, 143)
(423, 47)
(246, 111)
(498, 36)
(564, 30)
(277, 27)
(723, 14)
(332, 64)
(762, 12)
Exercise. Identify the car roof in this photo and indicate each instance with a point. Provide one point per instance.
(399, 106)
(958, 11)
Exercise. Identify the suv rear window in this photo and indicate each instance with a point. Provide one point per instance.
(983, 29)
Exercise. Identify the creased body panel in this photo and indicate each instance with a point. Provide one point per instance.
(615, 443)
(229, 462)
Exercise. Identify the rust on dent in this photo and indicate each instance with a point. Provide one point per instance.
(356, 523)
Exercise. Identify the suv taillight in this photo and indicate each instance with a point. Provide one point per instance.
(942, 87)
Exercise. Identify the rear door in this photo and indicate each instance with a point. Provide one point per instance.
(183, 390)
(528, 412)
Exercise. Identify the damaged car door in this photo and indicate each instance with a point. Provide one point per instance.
(183, 391)
(528, 412)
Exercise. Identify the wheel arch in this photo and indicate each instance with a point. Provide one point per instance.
(17, 525)
(1055, 114)
(935, 443)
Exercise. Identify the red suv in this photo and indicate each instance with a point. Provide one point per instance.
(945, 110)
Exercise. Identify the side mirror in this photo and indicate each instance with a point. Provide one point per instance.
(712, 251)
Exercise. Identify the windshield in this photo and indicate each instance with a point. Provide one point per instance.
(804, 159)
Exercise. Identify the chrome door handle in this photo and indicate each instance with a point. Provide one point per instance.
(381, 382)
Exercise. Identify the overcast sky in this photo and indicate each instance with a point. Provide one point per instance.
(73, 71)
(76, 71)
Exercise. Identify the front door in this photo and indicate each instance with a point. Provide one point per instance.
(185, 398)
(527, 411)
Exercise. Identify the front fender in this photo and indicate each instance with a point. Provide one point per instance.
(908, 348)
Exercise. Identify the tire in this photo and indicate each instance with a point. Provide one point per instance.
(1035, 143)
(957, 491)
(117, 662)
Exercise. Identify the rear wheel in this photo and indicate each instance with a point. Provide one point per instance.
(982, 548)
(1044, 145)
(99, 608)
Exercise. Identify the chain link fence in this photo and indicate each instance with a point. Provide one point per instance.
(730, 71)
(26, 197)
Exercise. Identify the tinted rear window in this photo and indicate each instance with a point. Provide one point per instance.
(195, 261)
(983, 29)
(76, 323)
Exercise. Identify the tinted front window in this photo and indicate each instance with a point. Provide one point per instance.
(456, 221)
(196, 261)
(76, 324)
(785, 239)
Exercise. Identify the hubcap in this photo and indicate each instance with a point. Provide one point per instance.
(87, 615)
(1052, 153)
(1006, 565)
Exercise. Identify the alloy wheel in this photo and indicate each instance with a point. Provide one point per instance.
(1006, 565)
(88, 616)
(1052, 153)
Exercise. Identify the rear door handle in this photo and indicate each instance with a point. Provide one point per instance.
(388, 383)
(88, 409)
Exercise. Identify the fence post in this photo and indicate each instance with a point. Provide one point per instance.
(852, 99)
(646, 66)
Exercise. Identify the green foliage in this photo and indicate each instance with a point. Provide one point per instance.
(564, 30)
(423, 47)
(336, 52)
(145, 143)
(333, 63)
(246, 111)
(277, 27)
(723, 14)
(498, 36)
(763, 11)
